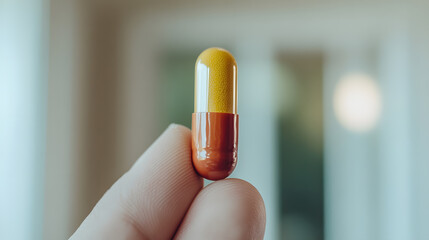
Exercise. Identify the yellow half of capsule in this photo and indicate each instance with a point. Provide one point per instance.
(216, 82)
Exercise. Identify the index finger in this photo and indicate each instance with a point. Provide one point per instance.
(151, 199)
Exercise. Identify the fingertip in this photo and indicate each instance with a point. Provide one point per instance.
(151, 199)
(174, 136)
(179, 132)
(162, 184)
(225, 209)
(178, 127)
(236, 188)
(245, 195)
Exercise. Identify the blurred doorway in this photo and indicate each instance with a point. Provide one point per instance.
(300, 147)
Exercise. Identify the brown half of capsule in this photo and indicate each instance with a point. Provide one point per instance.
(214, 144)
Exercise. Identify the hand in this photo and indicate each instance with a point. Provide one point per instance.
(162, 197)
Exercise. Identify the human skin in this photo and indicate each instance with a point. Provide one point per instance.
(162, 197)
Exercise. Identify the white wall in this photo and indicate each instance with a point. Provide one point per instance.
(23, 88)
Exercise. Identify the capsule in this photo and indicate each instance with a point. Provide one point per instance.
(215, 118)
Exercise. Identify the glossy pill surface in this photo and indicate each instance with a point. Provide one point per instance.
(215, 120)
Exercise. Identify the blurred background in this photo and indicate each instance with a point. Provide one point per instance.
(333, 103)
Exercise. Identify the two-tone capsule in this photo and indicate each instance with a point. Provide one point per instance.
(215, 119)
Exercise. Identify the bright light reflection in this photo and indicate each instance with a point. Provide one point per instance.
(357, 102)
